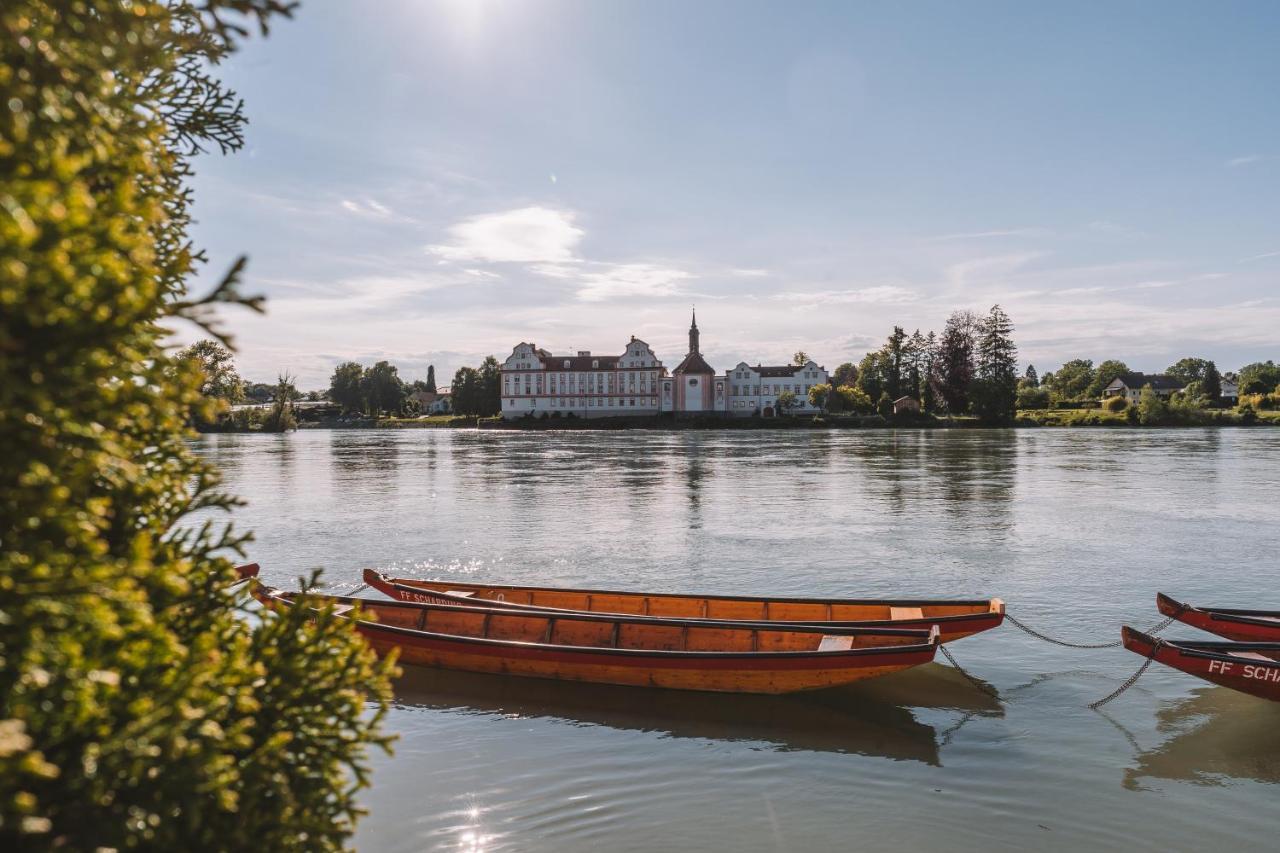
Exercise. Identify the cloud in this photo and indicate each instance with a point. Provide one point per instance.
(982, 235)
(1263, 256)
(622, 280)
(1237, 162)
(881, 295)
(963, 273)
(527, 235)
(748, 273)
(369, 207)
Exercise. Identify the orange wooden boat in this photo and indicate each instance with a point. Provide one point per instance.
(1248, 667)
(740, 657)
(955, 619)
(1259, 626)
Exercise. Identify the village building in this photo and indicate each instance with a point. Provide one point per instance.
(1130, 385)
(907, 405)
(537, 383)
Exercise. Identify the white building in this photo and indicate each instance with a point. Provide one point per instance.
(755, 390)
(1130, 385)
(537, 383)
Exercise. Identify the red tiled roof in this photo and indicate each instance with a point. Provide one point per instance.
(693, 363)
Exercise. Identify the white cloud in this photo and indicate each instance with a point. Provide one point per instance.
(1263, 256)
(748, 273)
(368, 207)
(963, 273)
(1237, 162)
(881, 295)
(621, 280)
(525, 235)
(982, 235)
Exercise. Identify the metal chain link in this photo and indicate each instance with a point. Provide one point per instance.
(360, 588)
(1132, 680)
(1154, 629)
(985, 688)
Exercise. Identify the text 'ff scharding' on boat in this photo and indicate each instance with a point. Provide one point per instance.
(954, 618)
(739, 657)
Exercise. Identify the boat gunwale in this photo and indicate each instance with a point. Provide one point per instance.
(1222, 614)
(1209, 650)
(994, 605)
(930, 644)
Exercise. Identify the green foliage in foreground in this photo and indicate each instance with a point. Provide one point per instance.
(141, 705)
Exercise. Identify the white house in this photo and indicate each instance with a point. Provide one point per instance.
(1130, 385)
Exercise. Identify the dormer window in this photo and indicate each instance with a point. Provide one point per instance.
(566, 364)
(595, 363)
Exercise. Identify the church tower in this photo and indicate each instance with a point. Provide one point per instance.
(693, 333)
(694, 381)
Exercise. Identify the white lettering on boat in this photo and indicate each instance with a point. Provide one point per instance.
(1262, 673)
(1219, 666)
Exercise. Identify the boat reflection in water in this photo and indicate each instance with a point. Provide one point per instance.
(872, 718)
(1216, 735)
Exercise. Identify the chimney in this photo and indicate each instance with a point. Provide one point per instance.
(583, 352)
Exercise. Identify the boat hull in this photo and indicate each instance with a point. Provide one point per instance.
(745, 673)
(1248, 626)
(981, 616)
(1219, 663)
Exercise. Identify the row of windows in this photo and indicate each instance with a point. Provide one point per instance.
(753, 390)
(591, 402)
(803, 374)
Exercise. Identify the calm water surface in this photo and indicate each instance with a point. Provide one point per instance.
(1076, 530)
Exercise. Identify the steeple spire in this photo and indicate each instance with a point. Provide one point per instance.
(693, 333)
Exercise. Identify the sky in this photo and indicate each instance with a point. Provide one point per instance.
(434, 181)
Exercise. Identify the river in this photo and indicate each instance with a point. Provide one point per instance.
(1075, 529)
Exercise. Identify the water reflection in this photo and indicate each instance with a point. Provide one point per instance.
(1217, 735)
(875, 718)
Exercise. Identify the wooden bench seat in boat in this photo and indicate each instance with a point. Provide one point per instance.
(897, 613)
(835, 644)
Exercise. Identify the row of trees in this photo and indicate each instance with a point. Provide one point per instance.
(971, 368)
(478, 391)
(1078, 379)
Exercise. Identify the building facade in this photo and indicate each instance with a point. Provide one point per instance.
(538, 384)
(1130, 385)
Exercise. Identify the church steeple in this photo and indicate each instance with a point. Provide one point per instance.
(693, 333)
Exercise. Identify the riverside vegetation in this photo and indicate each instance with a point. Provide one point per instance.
(143, 704)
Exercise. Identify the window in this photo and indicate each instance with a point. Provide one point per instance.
(566, 364)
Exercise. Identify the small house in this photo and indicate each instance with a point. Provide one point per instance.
(906, 405)
(1130, 385)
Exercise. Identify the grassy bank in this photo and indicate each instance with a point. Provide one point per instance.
(1128, 418)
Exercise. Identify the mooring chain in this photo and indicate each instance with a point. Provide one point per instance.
(1132, 680)
(1154, 629)
(358, 589)
(985, 688)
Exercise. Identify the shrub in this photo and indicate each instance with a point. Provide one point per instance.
(1031, 398)
(884, 407)
(1116, 404)
(142, 706)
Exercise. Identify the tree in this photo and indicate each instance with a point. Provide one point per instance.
(1152, 408)
(281, 416)
(916, 358)
(1033, 397)
(871, 375)
(1261, 377)
(1072, 380)
(491, 387)
(1030, 378)
(467, 392)
(221, 381)
(884, 406)
(818, 395)
(1107, 372)
(787, 401)
(800, 359)
(143, 704)
(995, 390)
(258, 392)
(431, 379)
(1188, 370)
(346, 387)
(1212, 383)
(846, 374)
(895, 354)
(854, 399)
(954, 367)
(928, 379)
(382, 389)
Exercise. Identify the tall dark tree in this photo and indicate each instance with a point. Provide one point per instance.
(1261, 377)
(1030, 377)
(928, 381)
(383, 390)
(995, 390)
(916, 356)
(955, 362)
(894, 363)
(431, 379)
(1212, 382)
(1188, 370)
(221, 381)
(467, 391)
(491, 387)
(346, 386)
(871, 374)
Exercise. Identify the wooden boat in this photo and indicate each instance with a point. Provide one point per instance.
(955, 619)
(1249, 667)
(1245, 625)
(247, 571)
(747, 657)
